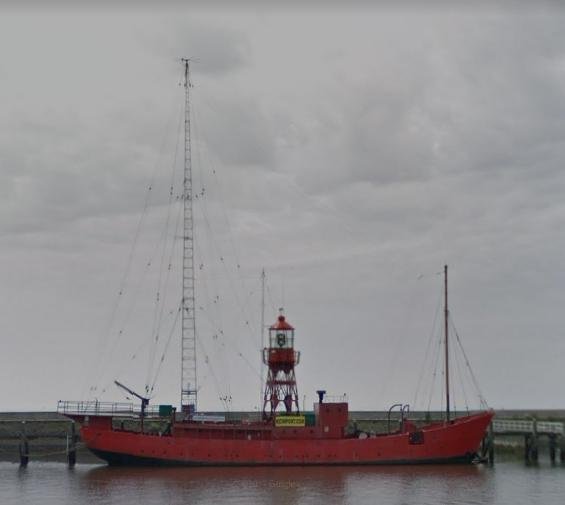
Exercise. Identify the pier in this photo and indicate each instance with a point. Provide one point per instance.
(531, 431)
(43, 437)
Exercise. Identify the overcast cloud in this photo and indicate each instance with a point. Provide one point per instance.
(349, 152)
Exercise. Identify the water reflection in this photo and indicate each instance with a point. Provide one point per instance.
(290, 485)
(505, 484)
(273, 485)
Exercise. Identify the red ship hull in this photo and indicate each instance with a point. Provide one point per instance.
(200, 444)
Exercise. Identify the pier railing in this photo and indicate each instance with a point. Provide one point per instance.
(94, 408)
(516, 426)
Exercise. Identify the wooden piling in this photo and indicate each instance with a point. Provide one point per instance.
(530, 448)
(527, 443)
(490, 444)
(24, 446)
(534, 446)
(71, 446)
(552, 448)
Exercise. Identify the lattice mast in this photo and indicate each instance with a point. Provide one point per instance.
(188, 338)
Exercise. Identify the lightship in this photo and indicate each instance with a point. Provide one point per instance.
(284, 435)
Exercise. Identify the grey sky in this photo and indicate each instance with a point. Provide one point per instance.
(346, 151)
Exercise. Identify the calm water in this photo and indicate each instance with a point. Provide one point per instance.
(506, 483)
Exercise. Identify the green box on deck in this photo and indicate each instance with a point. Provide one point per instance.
(310, 418)
(165, 410)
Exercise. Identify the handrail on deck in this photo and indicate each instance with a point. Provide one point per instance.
(335, 398)
(96, 408)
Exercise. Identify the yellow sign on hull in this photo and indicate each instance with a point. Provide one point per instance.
(290, 421)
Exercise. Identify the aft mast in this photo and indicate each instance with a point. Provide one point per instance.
(261, 364)
(188, 339)
(446, 329)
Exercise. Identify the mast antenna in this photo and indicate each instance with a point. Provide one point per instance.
(446, 329)
(188, 337)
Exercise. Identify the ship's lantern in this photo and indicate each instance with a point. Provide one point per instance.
(281, 334)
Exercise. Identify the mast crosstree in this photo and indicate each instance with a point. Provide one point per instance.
(188, 340)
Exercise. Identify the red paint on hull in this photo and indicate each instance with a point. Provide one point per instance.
(456, 441)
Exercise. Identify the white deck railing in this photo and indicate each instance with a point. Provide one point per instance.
(95, 408)
(520, 426)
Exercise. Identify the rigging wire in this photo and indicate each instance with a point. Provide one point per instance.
(270, 296)
(136, 296)
(218, 335)
(161, 314)
(229, 343)
(482, 399)
(219, 254)
(234, 252)
(216, 327)
(166, 348)
(434, 373)
(456, 387)
(93, 376)
(132, 357)
(236, 349)
(165, 291)
(452, 395)
(428, 347)
(442, 383)
(232, 272)
(220, 191)
(159, 305)
(138, 291)
(221, 194)
(215, 298)
(125, 277)
(131, 309)
(160, 301)
(458, 369)
(224, 399)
